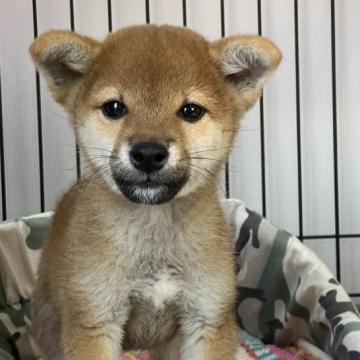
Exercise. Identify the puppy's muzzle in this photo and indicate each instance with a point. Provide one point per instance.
(150, 180)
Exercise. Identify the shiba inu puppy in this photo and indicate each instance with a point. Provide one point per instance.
(139, 256)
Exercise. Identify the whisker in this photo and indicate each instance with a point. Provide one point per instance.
(90, 148)
(199, 158)
(206, 158)
(61, 116)
(94, 157)
(214, 149)
(89, 166)
(101, 149)
(239, 130)
(212, 176)
(220, 187)
(200, 173)
(95, 171)
(88, 177)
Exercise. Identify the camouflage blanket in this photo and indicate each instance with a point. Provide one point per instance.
(285, 293)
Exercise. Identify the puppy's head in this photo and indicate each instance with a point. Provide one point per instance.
(155, 109)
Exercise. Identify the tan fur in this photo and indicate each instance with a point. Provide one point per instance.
(119, 275)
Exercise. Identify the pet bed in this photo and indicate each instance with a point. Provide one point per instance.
(287, 296)
(250, 348)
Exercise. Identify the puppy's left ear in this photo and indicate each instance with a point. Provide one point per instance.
(245, 63)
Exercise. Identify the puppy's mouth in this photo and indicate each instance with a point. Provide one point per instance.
(152, 190)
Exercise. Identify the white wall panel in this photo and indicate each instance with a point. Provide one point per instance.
(356, 300)
(128, 12)
(2, 173)
(350, 265)
(207, 23)
(19, 109)
(2, 198)
(348, 95)
(326, 249)
(245, 162)
(241, 17)
(245, 159)
(58, 139)
(91, 18)
(316, 117)
(280, 119)
(203, 16)
(166, 12)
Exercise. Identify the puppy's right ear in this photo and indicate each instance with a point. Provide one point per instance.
(63, 57)
(245, 63)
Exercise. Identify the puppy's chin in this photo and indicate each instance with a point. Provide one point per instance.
(150, 192)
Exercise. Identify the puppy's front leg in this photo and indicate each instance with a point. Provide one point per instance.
(95, 335)
(209, 321)
(210, 341)
(98, 343)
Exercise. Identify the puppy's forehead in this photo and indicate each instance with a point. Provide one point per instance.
(156, 58)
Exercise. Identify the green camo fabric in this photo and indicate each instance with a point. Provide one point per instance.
(285, 293)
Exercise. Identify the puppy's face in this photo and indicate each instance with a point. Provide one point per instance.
(155, 109)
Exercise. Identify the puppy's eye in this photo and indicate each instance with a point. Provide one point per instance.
(114, 109)
(191, 112)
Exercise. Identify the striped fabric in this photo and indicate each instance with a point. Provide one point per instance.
(256, 348)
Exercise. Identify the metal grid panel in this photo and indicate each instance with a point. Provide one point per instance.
(296, 158)
(19, 111)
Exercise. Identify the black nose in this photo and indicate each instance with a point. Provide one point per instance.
(148, 156)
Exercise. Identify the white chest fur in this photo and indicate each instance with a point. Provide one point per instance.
(157, 254)
(160, 290)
